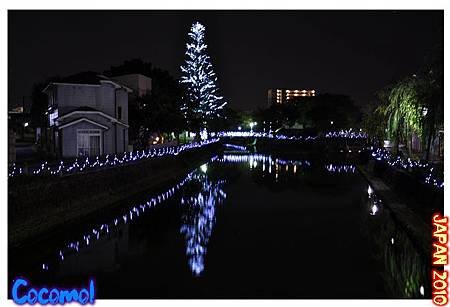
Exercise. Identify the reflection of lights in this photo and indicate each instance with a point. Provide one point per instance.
(236, 147)
(254, 159)
(373, 199)
(204, 168)
(98, 162)
(369, 191)
(204, 134)
(103, 230)
(340, 168)
(374, 209)
(422, 291)
(199, 219)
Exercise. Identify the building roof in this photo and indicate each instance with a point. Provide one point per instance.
(82, 119)
(89, 110)
(87, 78)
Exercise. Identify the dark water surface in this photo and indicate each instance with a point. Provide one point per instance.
(240, 226)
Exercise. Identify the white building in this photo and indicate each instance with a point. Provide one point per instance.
(88, 115)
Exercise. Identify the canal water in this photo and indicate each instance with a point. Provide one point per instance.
(240, 226)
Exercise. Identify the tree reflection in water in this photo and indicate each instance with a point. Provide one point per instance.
(405, 268)
(200, 198)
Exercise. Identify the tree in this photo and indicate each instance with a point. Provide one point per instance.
(323, 112)
(403, 112)
(39, 105)
(374, 124)
(230, 120)
(202, 103)
(432, 95)
(415, 105)
(133, 66)
(157, 111)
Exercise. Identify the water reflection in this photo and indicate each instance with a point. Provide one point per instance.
(121, 246)
(405, 267)
(201, 197)
(115, 225)
(374, 204)
(266, 163)
(332, 168)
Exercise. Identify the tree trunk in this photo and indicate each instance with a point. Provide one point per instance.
(427, 152)
(409, 145)
(397, 142)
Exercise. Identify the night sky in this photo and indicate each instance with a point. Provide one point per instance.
(342, 52)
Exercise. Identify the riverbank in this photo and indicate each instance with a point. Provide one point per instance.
(413, 223)
(65, 200)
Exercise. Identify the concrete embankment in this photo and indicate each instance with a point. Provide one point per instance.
(411, 221)
(39, 205)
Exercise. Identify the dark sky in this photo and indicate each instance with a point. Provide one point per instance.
(342, 52)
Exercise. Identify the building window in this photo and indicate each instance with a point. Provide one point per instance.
(119, 113)
(53, 117)
(88, 142)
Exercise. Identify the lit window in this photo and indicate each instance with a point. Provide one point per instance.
(88, 142)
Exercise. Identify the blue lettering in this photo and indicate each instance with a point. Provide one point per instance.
(19, 300)
(53, 297)
(41, 298)
(32, 296)
(68, 296)
(91, 291)
(83, 297)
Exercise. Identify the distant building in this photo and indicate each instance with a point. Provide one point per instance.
(140, 84)
(87, 116)
(19, 121)
(279, 96)
(16, 110)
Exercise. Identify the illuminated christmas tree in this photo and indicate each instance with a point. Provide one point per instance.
(202, 102)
